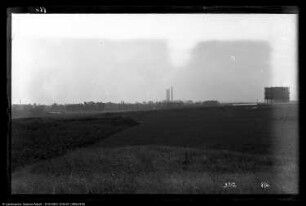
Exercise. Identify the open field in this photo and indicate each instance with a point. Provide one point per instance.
(155, 169)
(194, 150)
(35, 139)
(265, 130)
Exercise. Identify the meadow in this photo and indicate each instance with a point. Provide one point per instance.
(35, 139)
(178, 151)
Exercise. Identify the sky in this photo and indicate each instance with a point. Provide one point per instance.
(72, 58)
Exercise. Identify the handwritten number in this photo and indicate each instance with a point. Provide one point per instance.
(41, 10)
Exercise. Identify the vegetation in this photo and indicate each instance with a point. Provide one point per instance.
(263, 130)
(35, 139)
(29, 110)
(189, 150)
(157, 170)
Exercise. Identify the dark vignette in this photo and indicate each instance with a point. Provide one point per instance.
(133, 7)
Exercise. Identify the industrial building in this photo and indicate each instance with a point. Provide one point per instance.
(169, 95)
(277, 95)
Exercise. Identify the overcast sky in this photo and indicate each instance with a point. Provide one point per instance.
(67, 58)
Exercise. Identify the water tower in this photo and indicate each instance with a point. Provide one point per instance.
(277, 94)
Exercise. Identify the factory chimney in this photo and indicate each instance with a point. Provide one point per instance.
(171, 94)
(167, 95)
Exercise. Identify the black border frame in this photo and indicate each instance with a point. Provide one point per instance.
(172, 7)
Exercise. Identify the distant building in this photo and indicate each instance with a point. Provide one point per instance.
(169, 95)
(188, 102)
(210, 103)
(277, 94)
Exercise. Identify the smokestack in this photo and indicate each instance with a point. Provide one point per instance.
(167, 95)
(171, 94)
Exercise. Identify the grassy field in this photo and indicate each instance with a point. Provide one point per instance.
(194, 150)
(35, 139)
(265, 130)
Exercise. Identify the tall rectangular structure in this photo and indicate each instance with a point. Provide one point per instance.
(168, 95)
(171, 94)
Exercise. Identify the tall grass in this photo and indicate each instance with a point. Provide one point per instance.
(192, 151)
(154, 169)
(38, 139)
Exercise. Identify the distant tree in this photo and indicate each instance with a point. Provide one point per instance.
(37, 109)
(100, 106)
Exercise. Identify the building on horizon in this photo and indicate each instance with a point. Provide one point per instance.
(277, 94)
